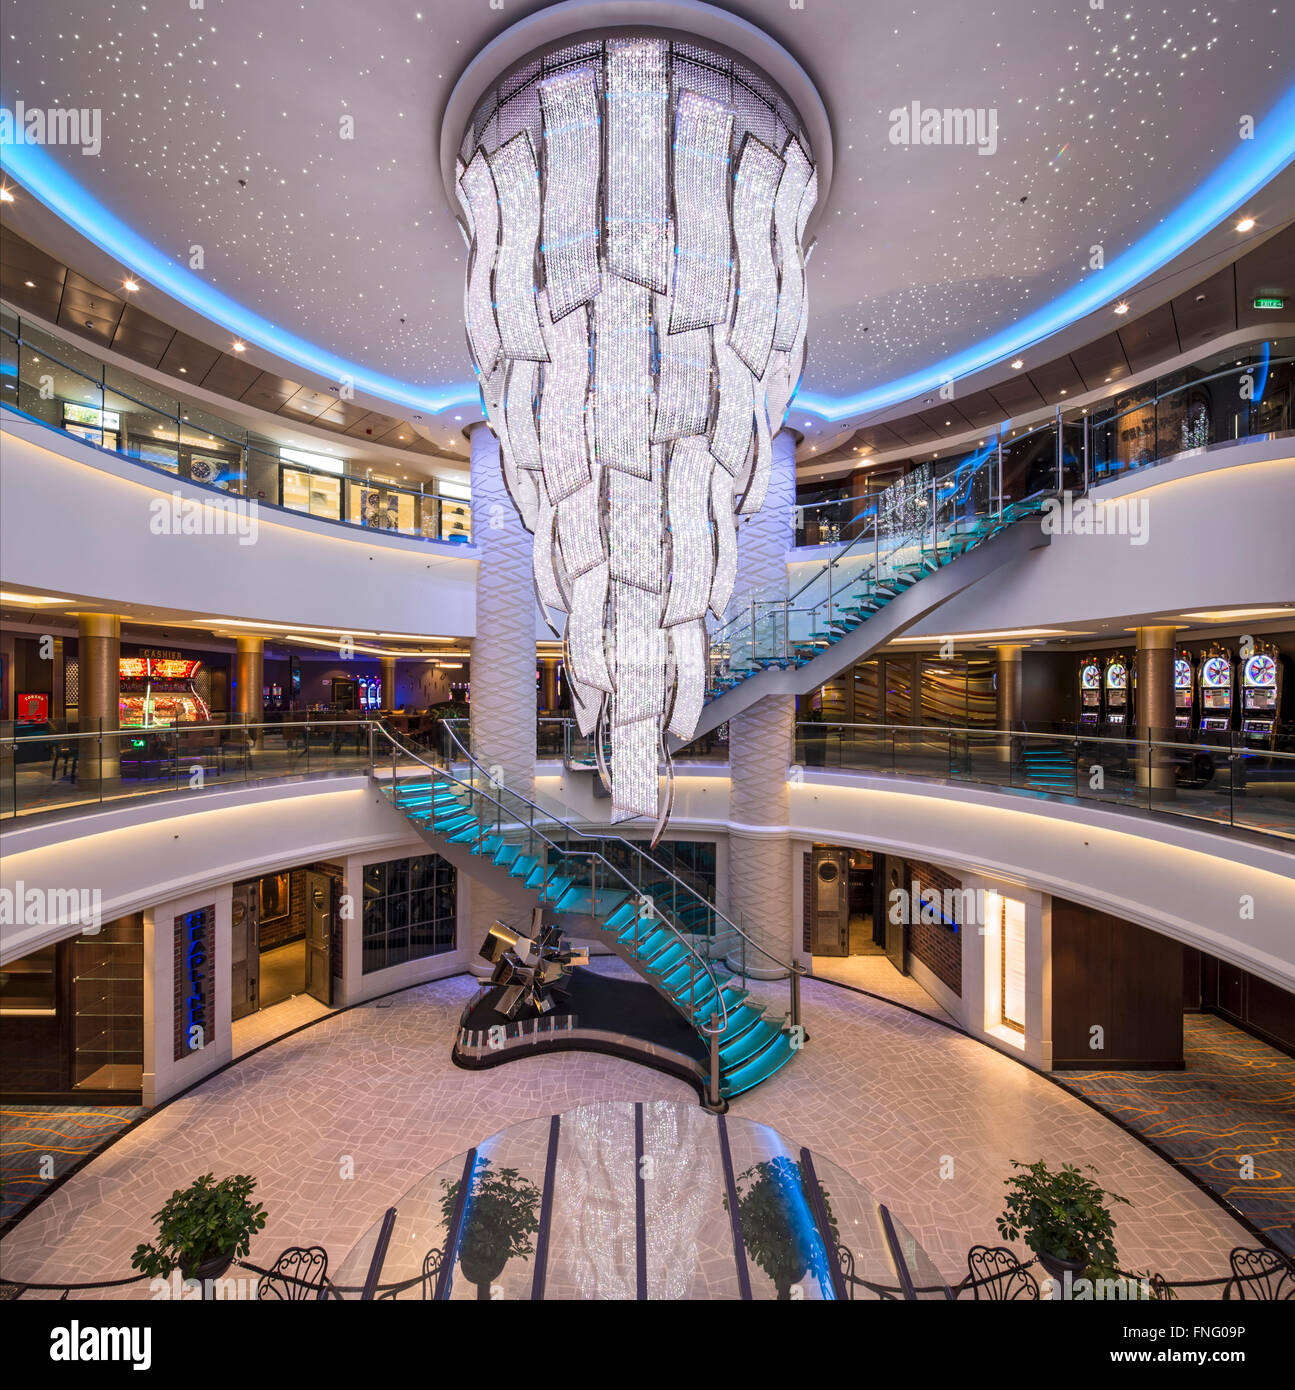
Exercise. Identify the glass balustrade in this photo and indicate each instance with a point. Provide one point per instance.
(80, 765)
(1230, 781)
(58, 384)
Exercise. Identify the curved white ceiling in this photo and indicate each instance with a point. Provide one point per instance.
(221, 128)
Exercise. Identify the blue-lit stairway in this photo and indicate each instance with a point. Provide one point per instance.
(524, 852)
(1049, 769)
(757, 653)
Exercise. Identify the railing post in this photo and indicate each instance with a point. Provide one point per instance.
(998, 508)
(714, 1068)
(876, 549)
(1061, 467)
(1088, 435)
(795, 996)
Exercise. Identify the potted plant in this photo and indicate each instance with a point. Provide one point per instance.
(202, 1228)
(1063, 1217)
(502, 1217)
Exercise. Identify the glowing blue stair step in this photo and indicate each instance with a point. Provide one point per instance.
(759, 1069)
(554, 889)
(470, 831)
(732, 997)
(650, 942)
(521, 866)
(505, 854)
(622, 917)
(452, 824)
(668, 961)
(583, 900)
(537, 875)
(736, 1052)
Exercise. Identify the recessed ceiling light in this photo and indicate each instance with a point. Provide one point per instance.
(1018, 364)
(184, 369)
(31, 284)
(5, 196)
(1246, 224)
(1063, 390)
(1200, 299)
(1121, 308)
(240, 347)
(130, 286)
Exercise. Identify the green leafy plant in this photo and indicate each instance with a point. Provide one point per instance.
(502, 1217)
(205, 1221)
(777, 1230)
(1060, 1214)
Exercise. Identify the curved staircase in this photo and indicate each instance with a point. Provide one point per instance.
(603, 887)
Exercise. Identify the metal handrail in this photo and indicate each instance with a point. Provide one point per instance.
(135, 732)
(592, 855)
(594, 832)
(935, 729)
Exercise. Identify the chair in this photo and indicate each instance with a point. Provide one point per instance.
(297, 1275)
(1261, 1274)
(996, 1275)
(69, 754)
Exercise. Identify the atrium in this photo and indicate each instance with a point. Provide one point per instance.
(662, 673)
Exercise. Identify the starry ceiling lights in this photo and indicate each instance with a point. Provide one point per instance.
(636, 311)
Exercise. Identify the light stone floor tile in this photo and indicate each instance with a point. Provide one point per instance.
(338, 1121)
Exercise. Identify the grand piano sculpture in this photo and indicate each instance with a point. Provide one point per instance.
(531, 968)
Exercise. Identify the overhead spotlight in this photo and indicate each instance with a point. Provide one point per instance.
(240, 347)
(1247, 224)
(130, 286)
(1018, 364)
(31, 284)
(5, 196)
(1121, 307)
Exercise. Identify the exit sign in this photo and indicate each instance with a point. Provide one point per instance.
(1270, 301)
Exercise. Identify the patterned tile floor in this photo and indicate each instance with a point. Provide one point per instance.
(1235, 1099)
(337, 1121)
(39, 1143)
(876, 975)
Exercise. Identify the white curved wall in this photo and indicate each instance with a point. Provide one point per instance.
(1209, 518)
(75, 520)
(1232, 897)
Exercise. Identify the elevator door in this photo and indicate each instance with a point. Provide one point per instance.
(319, 922)
(831, 935)
(245, 950)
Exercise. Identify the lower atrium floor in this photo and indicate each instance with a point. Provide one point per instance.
(337, 1120)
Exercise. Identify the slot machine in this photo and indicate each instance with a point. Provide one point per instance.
(1184, 681)
(159, 691)
(1215, 676)
(1090, 694)
(1115, 689)
(1261, 675)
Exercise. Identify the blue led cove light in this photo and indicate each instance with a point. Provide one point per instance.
(1252, 164)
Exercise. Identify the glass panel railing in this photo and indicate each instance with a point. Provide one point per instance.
(59, 384)
(1230, 781)
(64, 769)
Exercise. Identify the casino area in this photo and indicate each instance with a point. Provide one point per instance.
(648, 652)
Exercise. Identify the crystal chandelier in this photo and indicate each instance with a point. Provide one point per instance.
(635, 210)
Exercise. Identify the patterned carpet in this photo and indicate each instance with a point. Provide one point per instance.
(1229, 1118)
(39, 1143)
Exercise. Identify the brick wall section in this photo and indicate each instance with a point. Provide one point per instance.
(939, 948)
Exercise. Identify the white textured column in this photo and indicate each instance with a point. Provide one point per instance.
(503, 657)
(760, 860)
(764, 539)
(503, 650)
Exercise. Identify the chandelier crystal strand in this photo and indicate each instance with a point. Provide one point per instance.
(636, 312)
